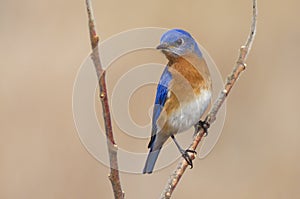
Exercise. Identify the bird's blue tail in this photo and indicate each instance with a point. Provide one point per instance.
(151, 159)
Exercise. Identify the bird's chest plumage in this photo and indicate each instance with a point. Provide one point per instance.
(188, 97)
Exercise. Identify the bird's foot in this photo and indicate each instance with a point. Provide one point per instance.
(187, 157)
(202, 124)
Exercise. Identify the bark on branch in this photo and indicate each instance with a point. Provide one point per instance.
(111, 144)
(211, 117)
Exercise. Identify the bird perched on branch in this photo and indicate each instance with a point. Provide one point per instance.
(183, 93)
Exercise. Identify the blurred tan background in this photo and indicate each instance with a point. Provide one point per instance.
(43, 44)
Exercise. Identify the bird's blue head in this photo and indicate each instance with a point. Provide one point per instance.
(178, 42)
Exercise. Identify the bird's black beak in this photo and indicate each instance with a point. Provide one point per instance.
(162, 46)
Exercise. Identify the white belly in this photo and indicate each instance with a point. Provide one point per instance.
(189, 113)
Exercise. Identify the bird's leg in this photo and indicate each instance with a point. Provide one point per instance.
(184, 153)
(202, 124)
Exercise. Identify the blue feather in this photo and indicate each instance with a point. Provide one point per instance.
(189, 45)
(160, 100)
(151, 160)
(183, 32)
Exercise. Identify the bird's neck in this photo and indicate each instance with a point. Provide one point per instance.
(192, 67)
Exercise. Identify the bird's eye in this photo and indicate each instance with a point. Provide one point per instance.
(179, 42)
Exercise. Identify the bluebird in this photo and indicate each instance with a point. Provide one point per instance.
(183, 93)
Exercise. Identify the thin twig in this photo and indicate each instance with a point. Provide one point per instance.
(211, 117)
(111, 144)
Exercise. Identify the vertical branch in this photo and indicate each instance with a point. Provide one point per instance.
(211, 117)
(111, 144)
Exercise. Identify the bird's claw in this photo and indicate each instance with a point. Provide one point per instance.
(202, 124)
(188, 158)
(191, 151)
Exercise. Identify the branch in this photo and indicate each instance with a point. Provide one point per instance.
(111, 144)
(211, 117)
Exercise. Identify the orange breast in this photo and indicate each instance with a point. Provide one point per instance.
(187, 83)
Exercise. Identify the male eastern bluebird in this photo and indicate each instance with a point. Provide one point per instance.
(183, 93)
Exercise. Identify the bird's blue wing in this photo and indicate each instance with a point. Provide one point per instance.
(161, 97)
